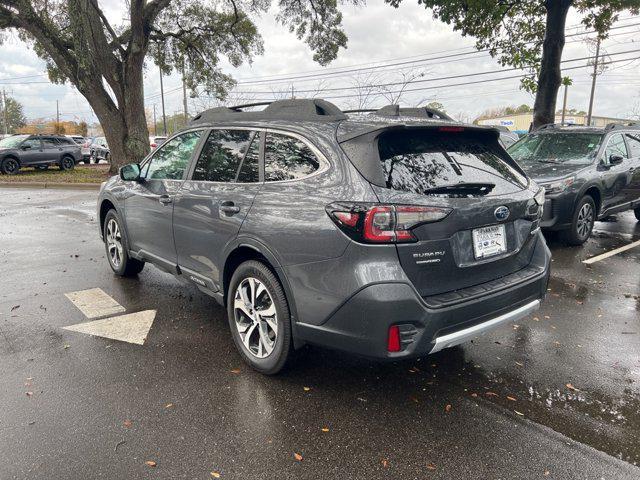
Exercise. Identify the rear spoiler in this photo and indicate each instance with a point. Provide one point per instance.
(441, 126)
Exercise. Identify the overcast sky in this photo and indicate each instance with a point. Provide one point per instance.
(377, 34)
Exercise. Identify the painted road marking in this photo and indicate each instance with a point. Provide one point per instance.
(597, 258)
(131, 328)
(94, 303)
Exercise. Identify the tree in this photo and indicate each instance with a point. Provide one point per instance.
(528, 34)
(14, 117)
(105, 62)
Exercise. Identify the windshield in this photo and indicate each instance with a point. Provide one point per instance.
(12, 142)
(426, 162)
(570, 148)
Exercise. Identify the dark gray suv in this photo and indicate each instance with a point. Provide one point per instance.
(39, 151)
(382, 234)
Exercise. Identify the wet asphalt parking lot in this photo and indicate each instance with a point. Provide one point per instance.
(556, 395)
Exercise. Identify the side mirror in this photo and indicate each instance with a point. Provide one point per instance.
(615, 159)
(25, 147)
(130, 172)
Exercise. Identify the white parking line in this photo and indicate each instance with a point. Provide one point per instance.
(95, 303)
(131, 328)
(624, 248)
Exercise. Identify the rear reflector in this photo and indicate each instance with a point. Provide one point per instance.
(393, 340)
(369, 223)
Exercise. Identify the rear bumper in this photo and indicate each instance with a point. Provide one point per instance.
(361, 324)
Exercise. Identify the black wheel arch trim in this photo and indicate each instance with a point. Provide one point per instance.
(265, 251)
(583, 191)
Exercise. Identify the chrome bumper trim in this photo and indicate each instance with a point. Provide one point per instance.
(456, 338)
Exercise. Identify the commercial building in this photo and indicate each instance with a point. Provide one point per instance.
(520, 122)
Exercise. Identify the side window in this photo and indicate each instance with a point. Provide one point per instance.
(34, 143)
(249, 169)
(616, 146)
(221, 155)
(171, 160)
(287, 158)
(48, 142)
(633, 140)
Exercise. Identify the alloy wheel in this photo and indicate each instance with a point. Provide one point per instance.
(255, 317)
(585, 220)
(114, 243)
(10, 166)
(67, 163)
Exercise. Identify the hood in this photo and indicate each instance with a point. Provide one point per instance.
(541, 172)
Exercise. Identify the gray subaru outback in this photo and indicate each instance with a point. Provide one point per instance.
(391, 235)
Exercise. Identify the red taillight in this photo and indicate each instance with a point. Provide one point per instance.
(383, 223)
(393, 339)
(154, 145)
(451, 129)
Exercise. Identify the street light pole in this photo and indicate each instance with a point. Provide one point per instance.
(593, 82)
(184, 98)
(4, 112)
(155, 123)
(564, 102)
(164, 116)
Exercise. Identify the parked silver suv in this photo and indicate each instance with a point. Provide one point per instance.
(384, 235)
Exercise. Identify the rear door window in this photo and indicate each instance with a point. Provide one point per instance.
(222, 156)
(419, 161)
(287, 158)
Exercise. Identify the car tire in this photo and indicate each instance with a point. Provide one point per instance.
(265, 348)
(10, 166)
(67, 163)
(86, 161)
(584, 217)
(637, 213)
(116, 246)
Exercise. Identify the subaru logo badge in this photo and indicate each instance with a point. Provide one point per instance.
(501, 213)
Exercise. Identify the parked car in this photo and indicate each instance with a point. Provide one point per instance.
(386, 237)
(79, 139)
(155, 142)
(588, 173)
(39, 151)
(99, 150)
(507, 137)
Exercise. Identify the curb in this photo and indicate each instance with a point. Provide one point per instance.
(56, 185)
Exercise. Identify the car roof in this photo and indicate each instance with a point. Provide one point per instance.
(555, 128)
(320, 115)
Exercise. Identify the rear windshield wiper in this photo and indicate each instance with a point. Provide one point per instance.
(462, 189)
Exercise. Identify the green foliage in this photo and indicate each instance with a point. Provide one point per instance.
(513, 31)
(15, 115)
(436, 106)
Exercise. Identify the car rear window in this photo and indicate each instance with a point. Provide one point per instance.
(417, 161)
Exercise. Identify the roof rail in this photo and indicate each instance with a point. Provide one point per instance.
(312, 109)
(611, 126)
(398, 111)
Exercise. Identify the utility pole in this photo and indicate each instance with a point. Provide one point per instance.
(155, 123)
(164, 116)
(564, 102)
(593, 82)
(184, 98)
(4, 112)
(57, 113)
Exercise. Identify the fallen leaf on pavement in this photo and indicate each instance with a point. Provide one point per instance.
(520, 364)
(571, 387)
(235, 370)
(150, 463)
(325, 429)
(168, 405)
(519, 413)
(297, 456)
(448, 408)
(66, 347)
(306, 389)
(474, 395)
(431, 466)
(414, 399)
(385, 463)
(15, 307)
(127, 423)
(547, 473)
(511, 398)
(215, 474)
(28, 394)
(491, 394)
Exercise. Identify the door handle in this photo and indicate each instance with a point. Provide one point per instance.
(228, 208)
(165, 199)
